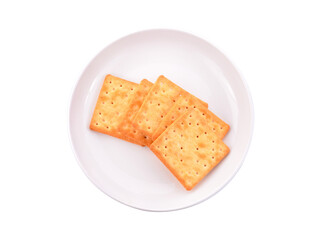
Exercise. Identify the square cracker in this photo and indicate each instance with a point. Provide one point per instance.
(126, 127)
(183, 104)
(159, 100)
(189, 148)
(114, 98)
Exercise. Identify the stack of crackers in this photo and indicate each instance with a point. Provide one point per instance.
(177, 126)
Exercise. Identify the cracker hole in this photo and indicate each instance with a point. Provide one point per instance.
(179, 109)
(103, 102)
(100, 113)
(220, 149)
(163, 90)
(110, 82)
(212, 157)
(166, 138)
(213, 149)
(181, 160)
(204, 165)
(190, 115)
(106, 92)
(151, 102)
(121, 85)
(111, 102)
(203, 114)
(205, 132)
(157, 146)
(197, 124)
(221, 127)
(197, 173)
(103, 120)
(113, 89)
(165, 126)
(174, 130)
(213, 141)
(186, 107)
(96, 124)
(165, 155)
(161, 116)
(194, 107)
(134, 131)
(197, 136)
(197, 149)
(197, 161)
(173, 100)
(155, 92)
(158, 104)
(213, 129)
(148, 127)
(182, 148)
(165, 146)
(182, 123)
(146, 119)
(189, 123)
(131, 89)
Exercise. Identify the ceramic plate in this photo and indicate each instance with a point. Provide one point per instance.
(131, 174)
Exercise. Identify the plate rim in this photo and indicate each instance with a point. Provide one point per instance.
(244, 83)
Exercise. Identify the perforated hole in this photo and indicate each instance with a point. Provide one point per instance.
(213, 149)
(155, 92)
(197, 149)
(100, 113)
(205, 165)
(213, 129)
(181, 135)
(197, 161)
(189, 123)
(174, 100)
(111, 102)
(145, 137)
(179, 108)
(182, 148)
(110, 82)
(182, 123)
(221, 127)
(212, 157)
(205, 132)
(148, 127)
(134, 131)
(197, 173)
(197, 136)
(165, 126)
(151, 102)
(165, 155)
(120, 85)
(146, 119)
(96, 124)
(107, 127)
(213, 141)
(181, 160)
(113, 89)
(197, 124)
(103, 102)
(174, 130)
(186, 107)
(106, 92)
(173, 117)
(139, 121)
(220, 149)
(131, 89)
(194, 107)
(161, 116)
(165, 146)
(158, 104)
(203, 114)
(190, 115)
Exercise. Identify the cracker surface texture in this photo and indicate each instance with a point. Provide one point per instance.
(156, 105)
(189, 148)
(126, 127)
(113, 100)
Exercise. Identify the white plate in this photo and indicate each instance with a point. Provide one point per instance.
(132, 174)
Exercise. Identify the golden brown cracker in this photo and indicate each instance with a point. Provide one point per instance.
(126, 126)
(114, 98)
(189, 148)
(156, 105)
(183, 104)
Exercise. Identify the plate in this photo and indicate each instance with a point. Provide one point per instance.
(132, 174)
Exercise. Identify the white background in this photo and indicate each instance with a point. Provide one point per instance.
(278, 47)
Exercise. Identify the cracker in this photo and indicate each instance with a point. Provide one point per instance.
(189, 148)
(183, 104)
(113, 100)
(156, 105)
(126, 126)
